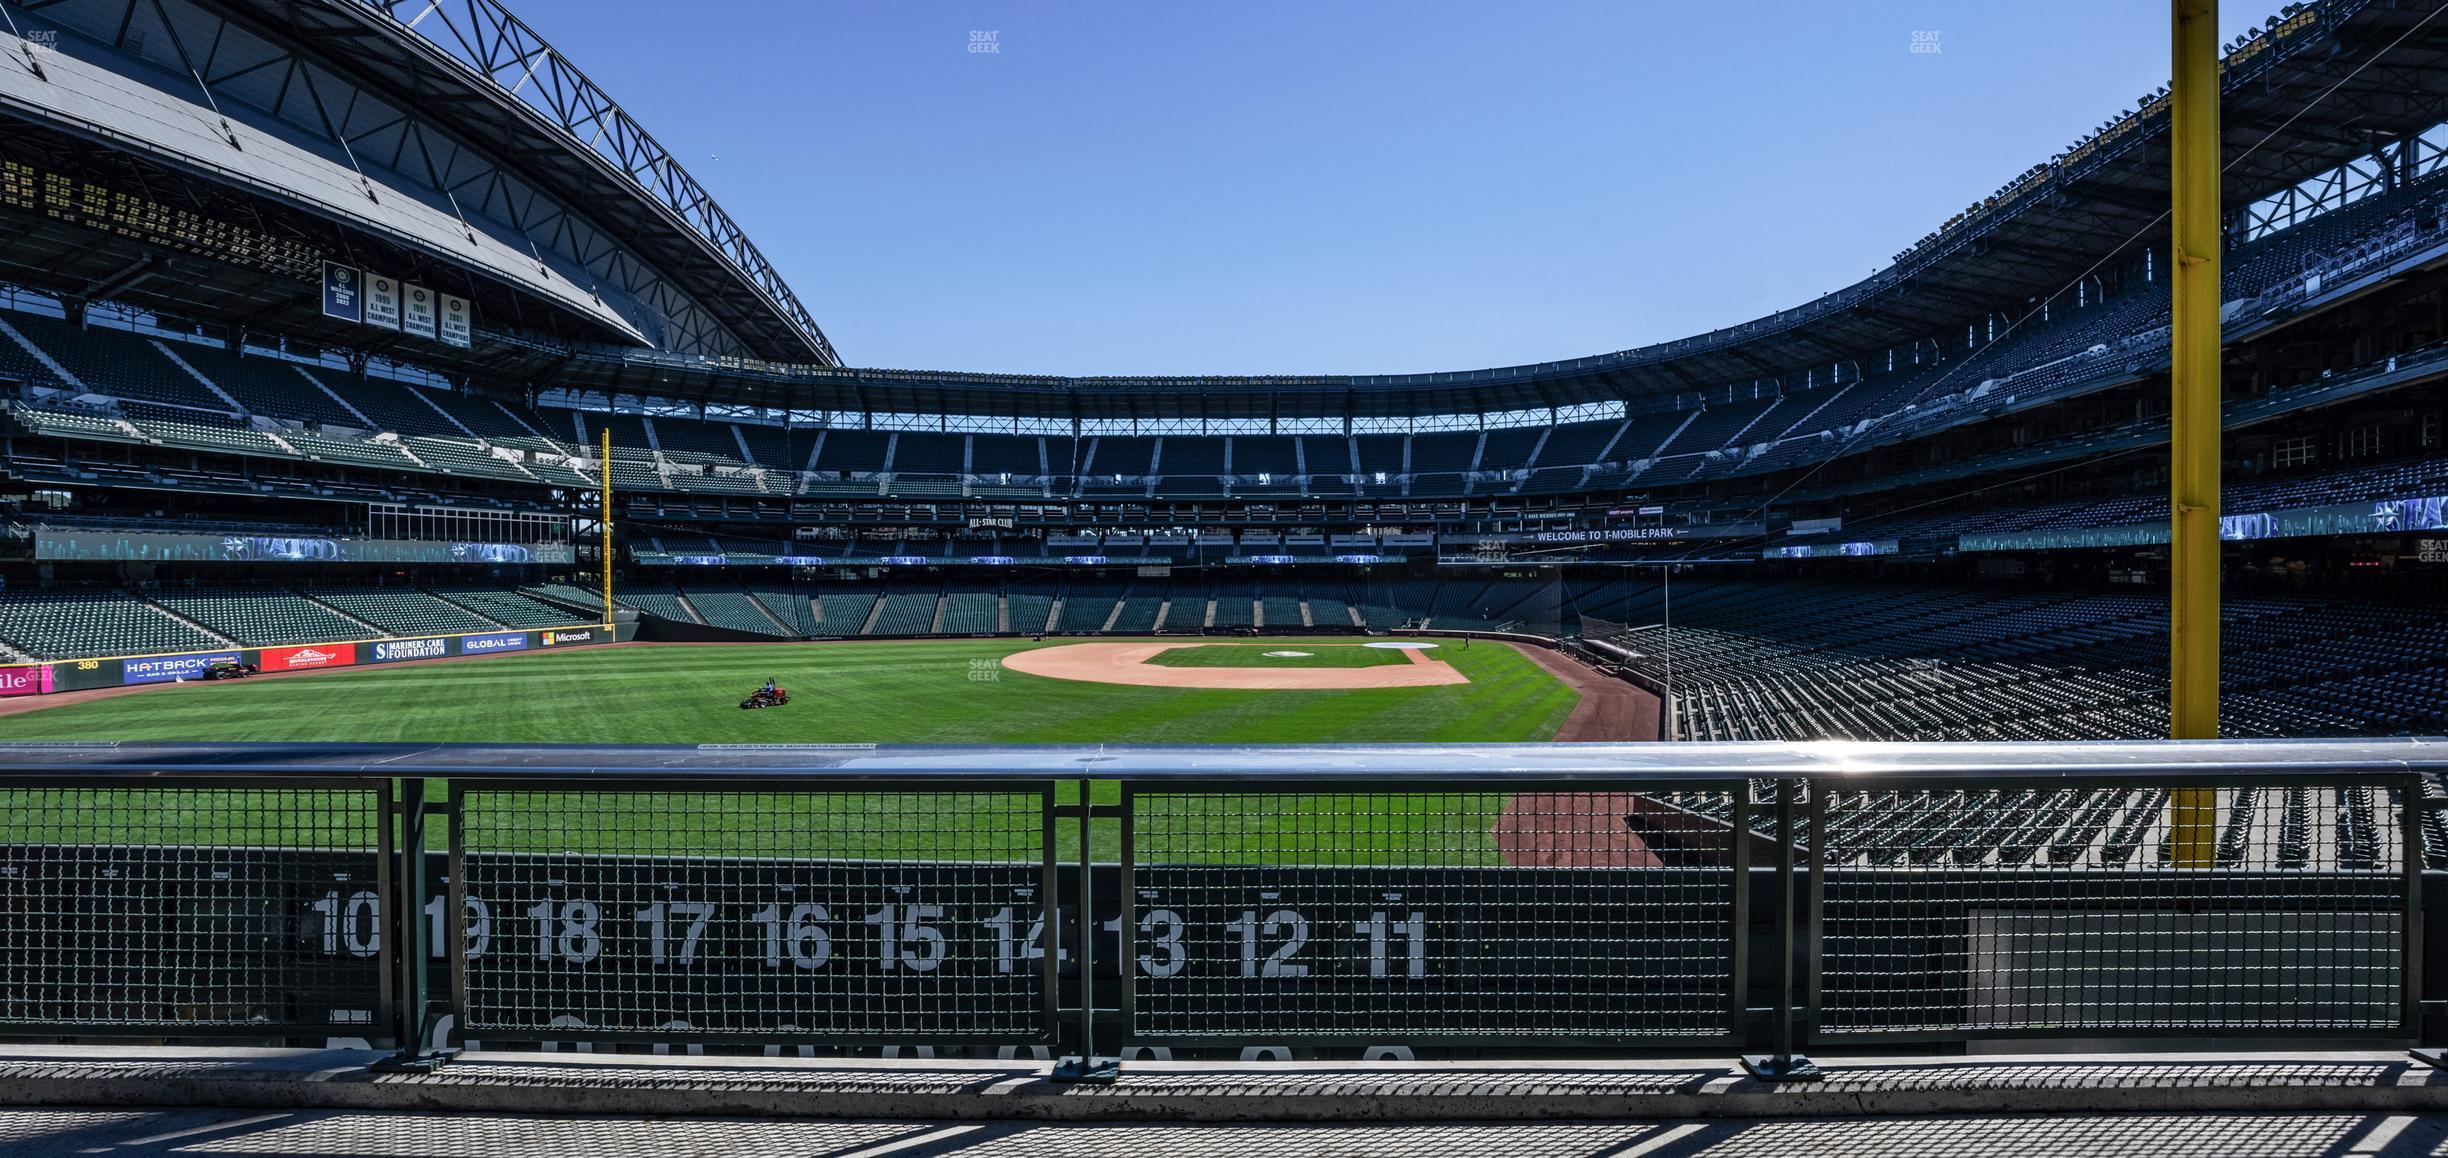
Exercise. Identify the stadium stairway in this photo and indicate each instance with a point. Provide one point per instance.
(212, 638)
(400, 611)
(79, 622)
(794, 610)
(737, 610)
(510, 608)
(260, 617)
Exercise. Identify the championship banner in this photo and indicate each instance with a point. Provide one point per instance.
(418, 306)
(342, 296)
(455, 327)
(382, 301)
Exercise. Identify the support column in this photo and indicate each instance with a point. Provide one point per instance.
(2193, 543)
(604, 525)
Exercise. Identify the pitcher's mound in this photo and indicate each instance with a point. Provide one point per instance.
(1127, 663)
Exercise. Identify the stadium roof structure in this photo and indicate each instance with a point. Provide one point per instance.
(2330, 82)
(463, 108)
(459, 104)
(504, 83)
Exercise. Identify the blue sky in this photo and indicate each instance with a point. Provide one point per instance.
(1343, 186)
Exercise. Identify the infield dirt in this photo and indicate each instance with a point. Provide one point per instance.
(1127, 663)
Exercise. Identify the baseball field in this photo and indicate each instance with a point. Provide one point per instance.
(1152, 691)
(940, 692)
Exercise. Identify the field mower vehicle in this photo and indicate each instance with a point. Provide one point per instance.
(768, 696)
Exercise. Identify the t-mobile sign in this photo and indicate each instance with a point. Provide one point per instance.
(25, 679)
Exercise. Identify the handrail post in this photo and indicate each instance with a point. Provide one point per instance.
(2414, 803)
(1784, 1065)
(1087, 1067)
(407, 947)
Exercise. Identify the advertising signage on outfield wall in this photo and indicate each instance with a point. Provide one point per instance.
(397, 650)
(160, 669)
(25, 679)
(108, 672)
(309, 657)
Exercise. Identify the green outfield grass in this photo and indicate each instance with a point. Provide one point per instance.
(1424, 828)
(921, 692)
(945, 692)
(1255, 655)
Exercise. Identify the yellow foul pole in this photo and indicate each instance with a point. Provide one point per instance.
(603, 524)
(2193, 542)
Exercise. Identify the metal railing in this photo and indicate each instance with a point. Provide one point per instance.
(1488, 899)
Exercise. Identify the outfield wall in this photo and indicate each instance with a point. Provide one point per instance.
(71, 675)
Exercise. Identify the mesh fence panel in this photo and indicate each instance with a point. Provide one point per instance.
(898, 915)
(2024, 909)
(1598, 630)
(189, 907)
(1418, 916)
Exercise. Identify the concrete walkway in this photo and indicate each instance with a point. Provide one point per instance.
(973, 1091)
(207, 1133)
